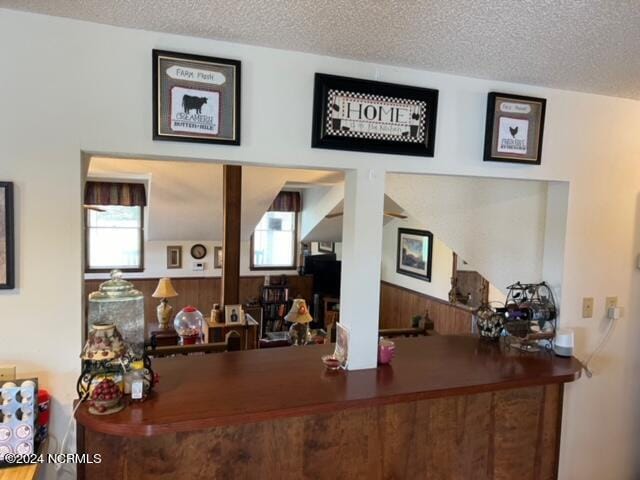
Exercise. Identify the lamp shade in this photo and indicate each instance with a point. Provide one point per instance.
(164, 289)
(299, 312)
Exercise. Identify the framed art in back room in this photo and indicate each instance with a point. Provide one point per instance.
(196, 98)
(368, 116)
(7, 260)
(174, 256)
(514, 128)
(415, 253)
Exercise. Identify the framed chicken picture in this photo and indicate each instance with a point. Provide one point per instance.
(369, 116)
(196, 98)
(514, 129)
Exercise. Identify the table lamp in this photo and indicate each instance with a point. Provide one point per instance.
(164, 290)
(299, 316)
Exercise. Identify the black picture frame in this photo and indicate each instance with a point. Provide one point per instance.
(7, 277)
(400, 261)
(326, 247)
(533, 139)
(159, 108)
(331, 133)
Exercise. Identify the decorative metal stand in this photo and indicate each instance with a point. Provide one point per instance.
(92, 369)
(530, 316)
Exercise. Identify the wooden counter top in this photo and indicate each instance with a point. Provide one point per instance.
(204, 391)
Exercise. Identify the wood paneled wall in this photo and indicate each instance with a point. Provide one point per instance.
(508, 434)
(470, 282)
(203, 292)
(398, 305)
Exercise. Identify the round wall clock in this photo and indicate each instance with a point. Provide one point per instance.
(198, 251)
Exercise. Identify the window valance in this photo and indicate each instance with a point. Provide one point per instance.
(286, 202)
(115, 193)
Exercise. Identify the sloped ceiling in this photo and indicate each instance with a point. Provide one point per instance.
(497, 225)
(185, 198)
(320, 201)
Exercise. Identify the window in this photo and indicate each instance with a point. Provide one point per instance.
(273, 244)
(114, 237)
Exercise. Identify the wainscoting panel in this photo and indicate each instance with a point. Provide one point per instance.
(398, 305)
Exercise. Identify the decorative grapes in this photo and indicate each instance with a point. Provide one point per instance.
(106, 390)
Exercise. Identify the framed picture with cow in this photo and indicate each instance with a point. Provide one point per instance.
(369, 116)
(513, 132)
(196, 98)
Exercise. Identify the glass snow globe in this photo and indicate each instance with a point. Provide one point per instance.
(188, 324)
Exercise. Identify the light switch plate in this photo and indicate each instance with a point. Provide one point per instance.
(587, 307)
(7, 372)
(611, 302)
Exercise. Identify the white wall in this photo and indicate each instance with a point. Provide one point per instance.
(184, 199)
(496, 225)
(555, 234)
(74, 86)
(316, 204)
(441, 267)
(155, 262)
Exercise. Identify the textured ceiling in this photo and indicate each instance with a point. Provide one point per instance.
(583, 45)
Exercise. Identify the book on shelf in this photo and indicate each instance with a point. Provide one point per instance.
(275, 295)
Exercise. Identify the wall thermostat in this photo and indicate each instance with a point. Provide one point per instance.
(198, 266)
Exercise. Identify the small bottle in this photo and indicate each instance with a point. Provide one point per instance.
(139, 384)
(216, 314)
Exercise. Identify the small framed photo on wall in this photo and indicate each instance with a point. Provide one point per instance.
(196, 98)
(233, 315)
(7, 260)
(514, 129)
(415, 252)
(326, 247)
(217, 257)
(174, 256)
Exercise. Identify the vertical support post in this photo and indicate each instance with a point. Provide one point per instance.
(361, 264)
(232, 200)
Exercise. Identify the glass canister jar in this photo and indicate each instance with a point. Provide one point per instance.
(188, 324)
(117, 302)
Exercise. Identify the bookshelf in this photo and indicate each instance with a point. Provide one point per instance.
(274, 301)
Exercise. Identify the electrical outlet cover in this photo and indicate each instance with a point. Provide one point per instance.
(587, 307)
(611, 302)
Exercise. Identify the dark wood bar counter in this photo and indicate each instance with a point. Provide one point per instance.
(447, 407)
